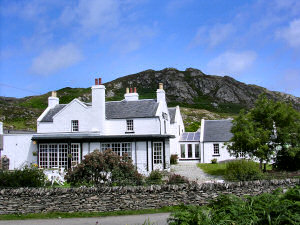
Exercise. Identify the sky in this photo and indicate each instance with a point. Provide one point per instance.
(48, 45)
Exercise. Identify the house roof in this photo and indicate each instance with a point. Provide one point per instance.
(190, 136)
(172, 113)
(131, 109)
(52, 112)
(217, 130)
(117, 110)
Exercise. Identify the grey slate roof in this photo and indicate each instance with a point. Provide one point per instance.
(52, 112)
(217, 130)
(131, 109)
(117, 110)
(172, 112)
(190, 136)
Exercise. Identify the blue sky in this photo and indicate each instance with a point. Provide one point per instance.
(48, 45)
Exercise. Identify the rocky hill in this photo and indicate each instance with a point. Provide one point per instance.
(209, 96)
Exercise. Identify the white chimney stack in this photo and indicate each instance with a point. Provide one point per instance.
(98, 105)
(160, 93)
(131, 95)
(53, 100)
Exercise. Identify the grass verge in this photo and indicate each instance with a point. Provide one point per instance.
(213, 169)
(56, 215)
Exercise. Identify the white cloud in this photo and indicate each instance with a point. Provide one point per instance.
(92, 14)
(231, 62)
(291, 34)
(212, 36)
(51, 61)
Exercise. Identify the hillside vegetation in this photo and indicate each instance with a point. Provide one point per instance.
(198, 94)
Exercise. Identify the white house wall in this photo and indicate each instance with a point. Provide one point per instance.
(207, 154)
(19, 149)
(140, 126)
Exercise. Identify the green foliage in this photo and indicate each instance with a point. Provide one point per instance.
(267, 129)
(155, 177)
(26, 177)
(193, 127)
(214, 161)
(275, 209)
(174, 159)
(287, 160)
(242, 170)
(177, 179)
(104, 168)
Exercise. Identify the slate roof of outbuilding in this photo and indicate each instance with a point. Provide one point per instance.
(217, 130)
(117, 109)
(172, 113)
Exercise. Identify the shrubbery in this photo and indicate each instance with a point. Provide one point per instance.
(177, 179)
(275, 209)
(107, 168)
(214, 161)
(155, 177)
(174, 159)
(26, 177)
(242, 170)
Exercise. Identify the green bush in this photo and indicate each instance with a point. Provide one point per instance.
(242, 170)
(104, 168)
(276, 209)
(177, 179)
(25, 177)
(155, 177)
(174, 159)
(286, 160)
(214, 161)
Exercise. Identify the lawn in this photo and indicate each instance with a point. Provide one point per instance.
(217, 169)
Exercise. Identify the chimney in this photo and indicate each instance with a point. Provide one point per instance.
(160, 93)
(98, 106)
(53, 100)
(131, 96)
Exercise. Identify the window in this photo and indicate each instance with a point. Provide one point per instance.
(182, 149)
(120, 148)
(157, 152)
(190, 151)
(129, 125)
(197, 151)
(56, 155)
(75, 125)
(216, 149)
(165, 125)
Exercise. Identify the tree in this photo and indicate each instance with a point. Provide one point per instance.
(266, 131)
(98, 168)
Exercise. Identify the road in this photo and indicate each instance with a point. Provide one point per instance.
(157, 219)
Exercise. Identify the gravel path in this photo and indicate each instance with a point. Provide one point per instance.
(194, 173)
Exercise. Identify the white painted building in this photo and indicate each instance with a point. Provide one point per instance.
(207, 143)
(145, 129)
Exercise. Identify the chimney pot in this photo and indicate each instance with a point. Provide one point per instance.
(100, 81)
(130, 90)
(54, 94)
(161, 86)
(96, 81)
(127, 90)
(134, 89)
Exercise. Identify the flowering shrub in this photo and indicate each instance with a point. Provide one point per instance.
(104, 168)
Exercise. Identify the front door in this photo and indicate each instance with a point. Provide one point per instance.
(158, 156)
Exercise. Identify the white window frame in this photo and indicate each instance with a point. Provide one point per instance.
(120, 148)
(157, 153)
(129, 125)
(74, 126)
(216, 149)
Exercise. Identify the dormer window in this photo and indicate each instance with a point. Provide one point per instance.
(129, 125)
(74, 125)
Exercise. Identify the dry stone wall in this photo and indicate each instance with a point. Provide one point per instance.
(89, 199)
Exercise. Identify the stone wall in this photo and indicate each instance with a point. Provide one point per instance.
(87, 199)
